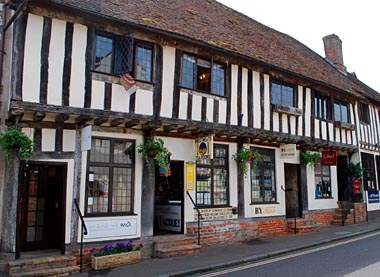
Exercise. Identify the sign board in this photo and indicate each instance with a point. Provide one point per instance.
(168, 217)
(111, 228)
(287, 151)
(356, 186)
(190, 175)
(264, 210)
(204, 148)
(86, 138)
(373, 196)
(329, 157)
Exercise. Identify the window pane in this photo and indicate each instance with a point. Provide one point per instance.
(276, 93)
(97, 201)
(103, 54)
(220, 187)
(123, 47)
(188, 71)
(122, 190)
(204, 75)
(344, 113)
(218, 79)
(100, 150)
(337, 116)
(203, 186)
(144, 63)
(122, 152)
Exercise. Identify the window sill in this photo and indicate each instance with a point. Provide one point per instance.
(327, 197)
(109, 78)
(202, 93)
(344, 125)
(264, 203)
(286, 109)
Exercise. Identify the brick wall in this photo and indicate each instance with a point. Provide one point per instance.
(216, 232)
(360, 212)
(215, 214)
(320, 218)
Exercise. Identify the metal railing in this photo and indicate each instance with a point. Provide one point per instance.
(199, 217)
(83, 232)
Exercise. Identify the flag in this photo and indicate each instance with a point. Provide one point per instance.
(128, 83)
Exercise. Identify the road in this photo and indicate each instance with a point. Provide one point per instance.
(352, 258)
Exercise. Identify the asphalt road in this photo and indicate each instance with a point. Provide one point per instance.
(352, 258)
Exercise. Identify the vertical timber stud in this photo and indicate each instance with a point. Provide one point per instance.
(147, 195)
(240, 181)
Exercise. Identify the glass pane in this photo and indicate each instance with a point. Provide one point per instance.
(220, 155)
(276, 93)
(122, 190)
(100, 150)
(188, 71)
(98, 190)
(204, 75)
(144, 63)
(218, 79)
(30, 234)
(203, 186)
(103, 54)
(123, 152)
(220, 187)
(337, 116)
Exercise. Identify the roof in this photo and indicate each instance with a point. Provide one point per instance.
(211, 22)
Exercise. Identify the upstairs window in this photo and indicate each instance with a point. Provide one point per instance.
(282, 94)
(203, 75)
(321, 104)
(341, 112)
(364, 113)
(117, 55)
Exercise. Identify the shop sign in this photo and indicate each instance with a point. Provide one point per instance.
(356, 186)
(287, 151)
(204, 148)
(329, 157)
(168, 217)
(373, 196)
(86, 138)
(190, 175)
(264, 210)
(111, 228)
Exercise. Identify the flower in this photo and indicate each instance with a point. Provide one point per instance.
(120, 247)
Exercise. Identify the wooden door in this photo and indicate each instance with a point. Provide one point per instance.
(292, 191)
(42, 207)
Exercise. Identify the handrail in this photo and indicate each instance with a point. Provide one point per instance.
(83, 232)
(199, 217)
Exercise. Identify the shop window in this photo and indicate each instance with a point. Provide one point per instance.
(368, 165)
(282, 94)
(203, 75)
(114, 55)
(110, 177)
(322, 181)
(212, 179)
(263, 187)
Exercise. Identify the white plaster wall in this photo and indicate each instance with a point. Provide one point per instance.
(120, 99)
(324, 130)
(276, 122)
(256, 100)
(234, 82)
(78, 64)
(322, 203)
(293, 125)
(144, 102)
(223, 111)
(317, 135)
(168, 65)
(56, 60)
(244, 97)
(267, 102)
(210, 109)
(330, 127)
(344, 136)
(137, 187)
(307, 113)
(68, 143)
(32, 59)
(97, 95)
(196, 112)
(337, 134)
(48, 140)
(183, 102)
(300, 106)
(284, 118)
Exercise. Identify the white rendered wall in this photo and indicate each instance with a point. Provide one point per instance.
(168, 64)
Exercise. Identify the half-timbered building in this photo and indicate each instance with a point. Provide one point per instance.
(203, 72)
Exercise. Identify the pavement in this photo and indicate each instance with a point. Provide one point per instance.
(221, 256)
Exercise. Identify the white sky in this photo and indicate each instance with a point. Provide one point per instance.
(356, 23)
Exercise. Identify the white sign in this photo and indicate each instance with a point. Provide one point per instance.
(86, 138)
(111, 228)
(264, 210)
(168, 217)
(287, 151)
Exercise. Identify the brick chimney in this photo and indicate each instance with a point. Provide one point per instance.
(333, 51)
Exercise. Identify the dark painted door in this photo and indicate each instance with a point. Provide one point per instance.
(342, 172)
(42, 207)
(292, 198)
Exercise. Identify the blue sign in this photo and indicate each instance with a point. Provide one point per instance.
(373, 196)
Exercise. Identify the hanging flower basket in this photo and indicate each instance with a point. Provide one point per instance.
(310, 159)
(154, 148)
(14, 142)
(245, 157)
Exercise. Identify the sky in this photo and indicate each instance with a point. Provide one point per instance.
(355, 22)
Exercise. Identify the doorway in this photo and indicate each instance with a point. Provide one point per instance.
(168, 200)
(42, 207)
(292, 191)
(342, 172)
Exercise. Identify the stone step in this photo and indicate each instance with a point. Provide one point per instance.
(44, 266)
(176, 251)
(162, 242)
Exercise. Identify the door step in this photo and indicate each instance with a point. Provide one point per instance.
(49, 266)
(174, 246)
(301, 226)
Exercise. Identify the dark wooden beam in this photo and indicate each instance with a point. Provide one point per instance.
(100, 121)
(62, 117)
(38, 116)
(132, 123)
(117, 122)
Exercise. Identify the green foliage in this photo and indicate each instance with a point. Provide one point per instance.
(310, 159)
(120, 247)
(245, 157)
(355, 170)
(15, 142)
(154, 148)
